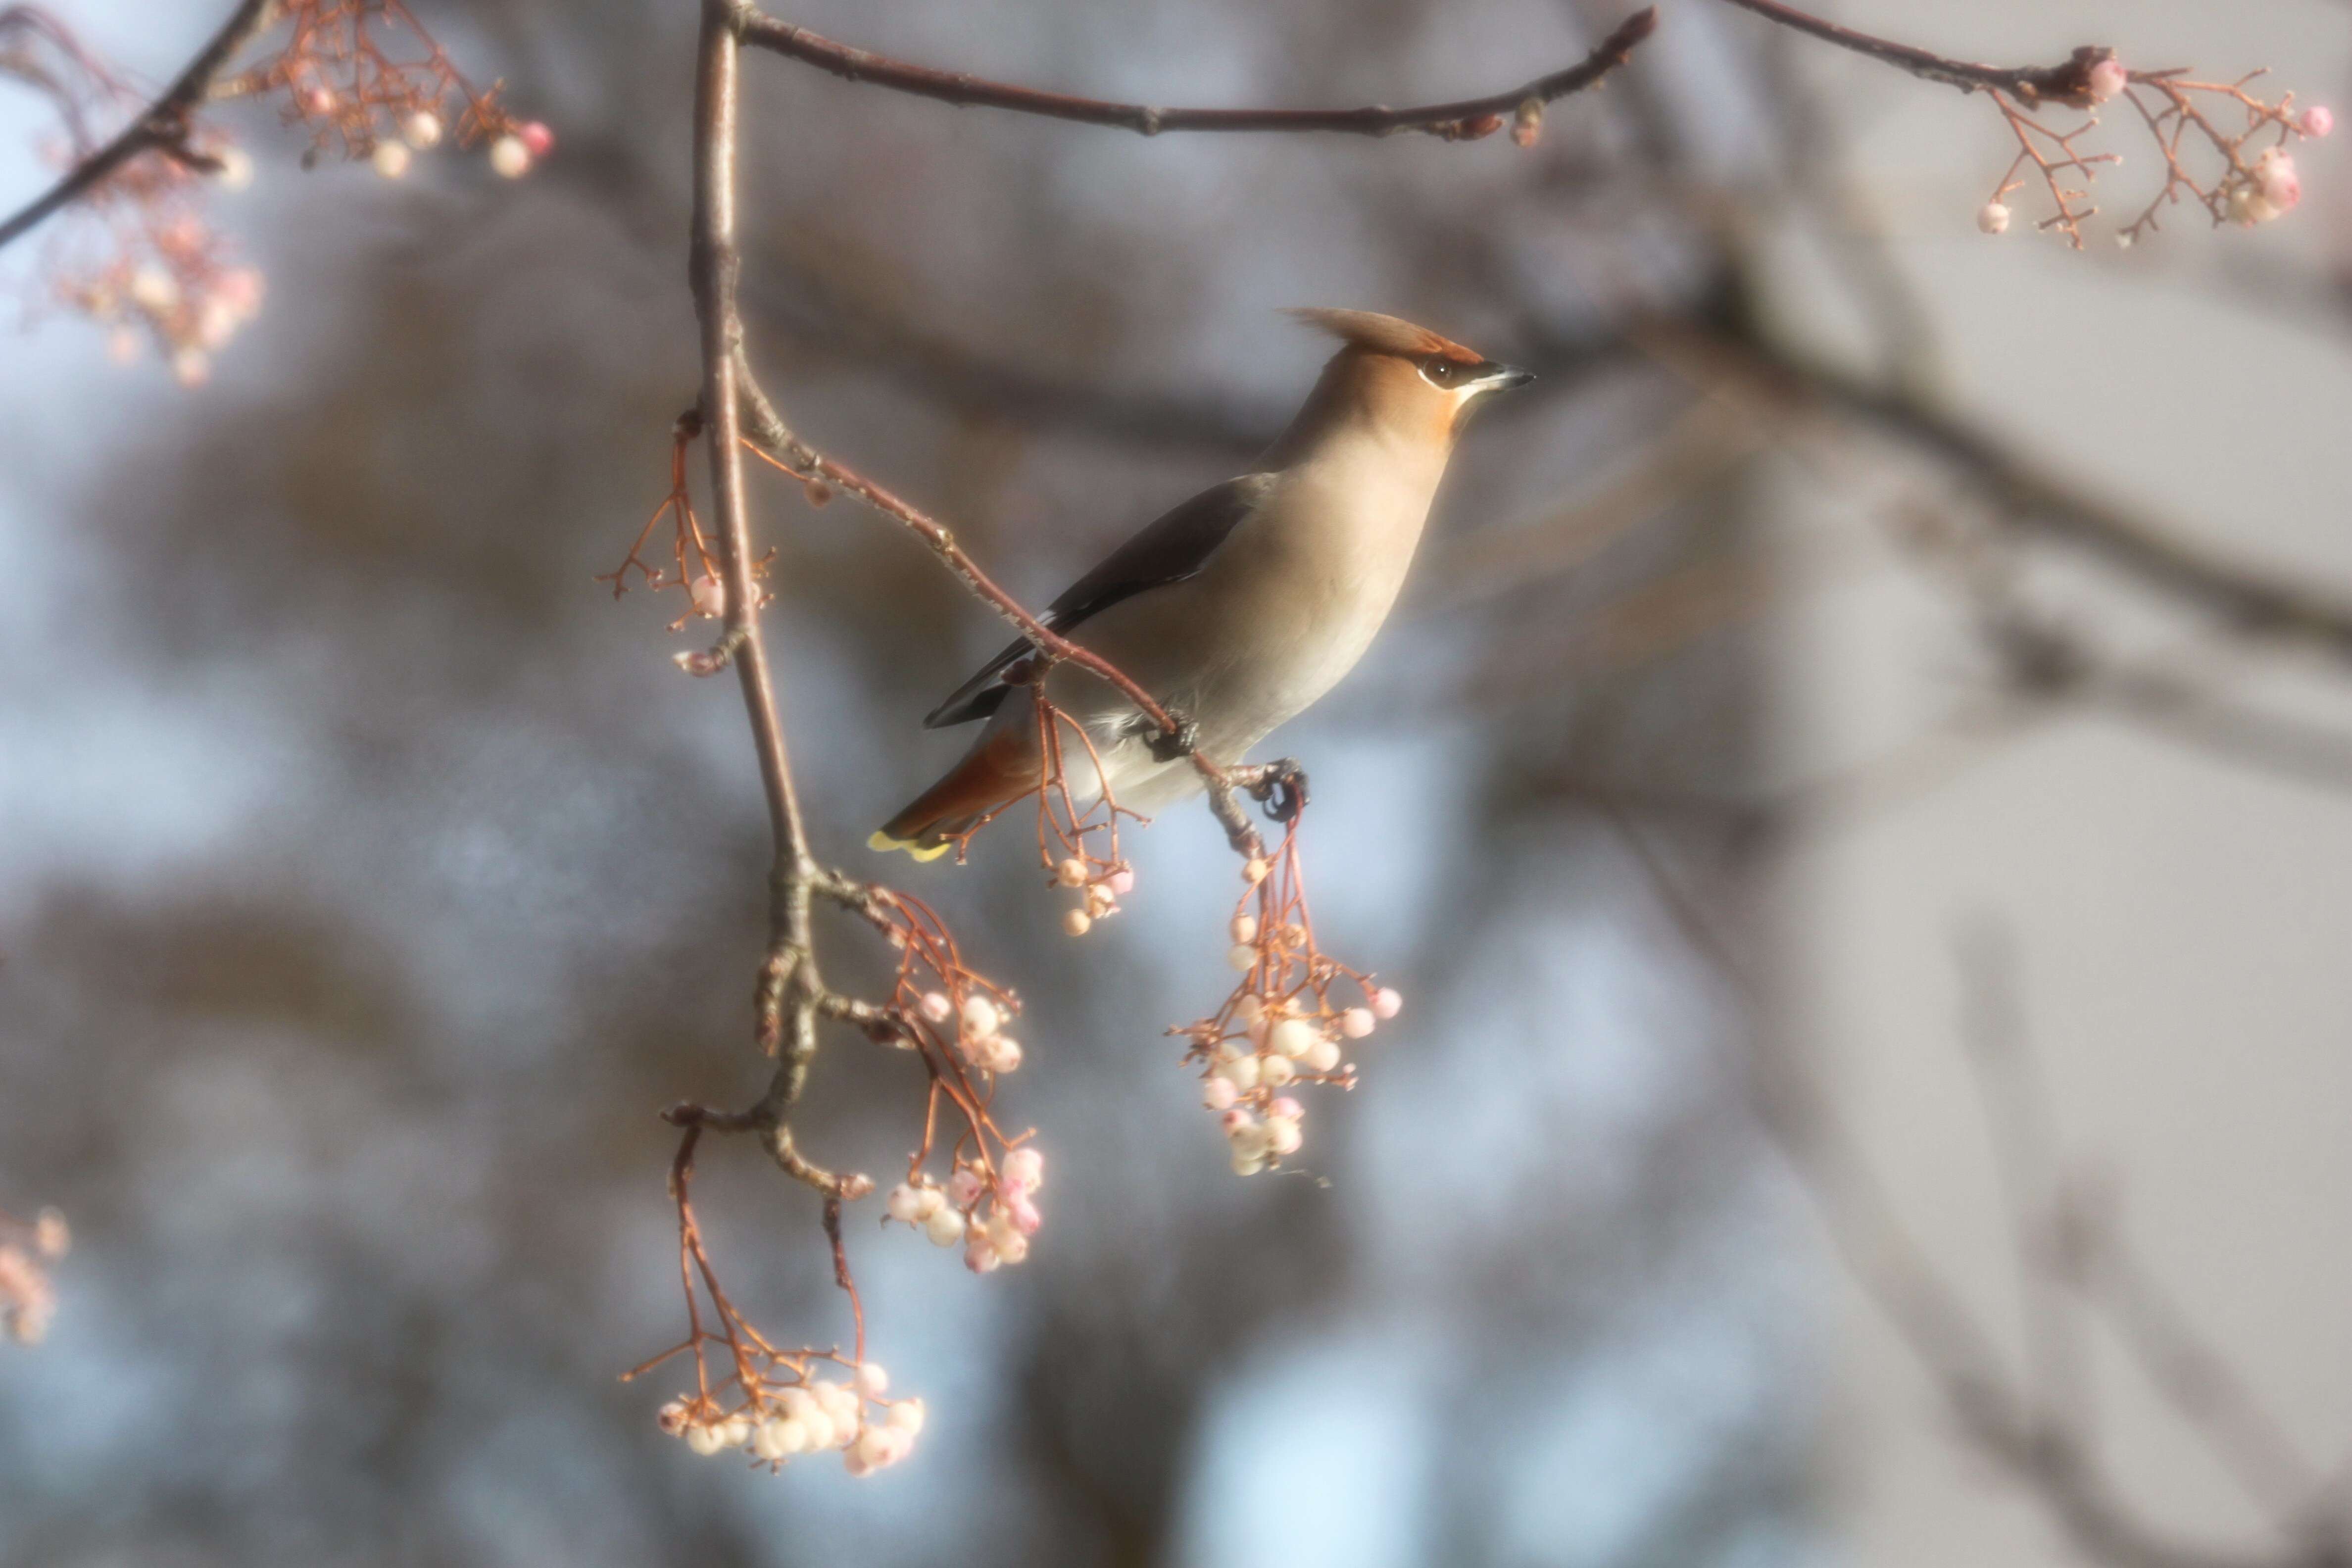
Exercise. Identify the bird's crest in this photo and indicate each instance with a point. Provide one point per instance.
(1384, 334)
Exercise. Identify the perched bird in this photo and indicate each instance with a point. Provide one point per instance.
(1240, 607)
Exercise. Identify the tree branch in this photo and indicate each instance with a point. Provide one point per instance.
(790, 992)
(161, 127)
(1468, 117)
(2065, 83)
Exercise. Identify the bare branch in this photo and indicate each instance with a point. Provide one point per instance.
(1466, 119)
(2068, 82)
(161, 127)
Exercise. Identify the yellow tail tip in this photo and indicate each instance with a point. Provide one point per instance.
(884, 843)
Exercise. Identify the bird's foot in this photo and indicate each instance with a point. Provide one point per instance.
(1280, 787)
(1167, 748)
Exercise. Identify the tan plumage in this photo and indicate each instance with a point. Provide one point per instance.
(1242, 606)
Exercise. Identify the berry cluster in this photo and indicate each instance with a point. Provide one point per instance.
(2253, 185)
(142, 261)
(950, 1213)
(1281, 1026)
(781, 1422)
(366, 80)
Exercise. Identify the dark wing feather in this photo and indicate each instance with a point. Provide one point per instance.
(1170, 549)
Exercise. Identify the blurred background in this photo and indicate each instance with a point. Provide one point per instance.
(1854, 801)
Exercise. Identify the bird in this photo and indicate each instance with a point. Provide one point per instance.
(1237, 609)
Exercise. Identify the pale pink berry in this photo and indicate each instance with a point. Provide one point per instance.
(1322, 1055)
(1283, 1136)
(980, 1016)
(1004, 1055)
(1071, 873)
(936, 1006)
(1122, 882)
(704, 1438)
(779, 1438)
(191, 367)
(1254, 871)
(1249, 1009)
(1011, 1246)
(672, 1417)
(216, 324)
(1527, 123)
(1388, 1002)
(422, 130)
(819, 1429)
(1994, 219)
(2281, 185)
(1355, 1023)
(872, 1380)
(239, 289)
(945, 1226)
(1245, 927)
(1077, 922)
(1248, 1162)
(1024, 1215)
(1219, 1094)
(2108, 78)
(153, 290)
(1241, 957)
(510, 157)
(1242, 1072)
(905, 1203)
(236, 169)
(709, 595)
(906, 1416)
(980, 1254)
(318, 101)
(1234, 1120)
(876, 1447)
(1275, 1071)
(1292, 1037)
(1098, 901)
(2316, 121)
(536, 138)
(1024, 1168)
(1286, 1109)
(964, 1187)
(390, 158)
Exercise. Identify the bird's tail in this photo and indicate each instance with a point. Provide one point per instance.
(1001, 768)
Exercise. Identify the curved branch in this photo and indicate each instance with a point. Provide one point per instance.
(1466, 119)
(161, 127)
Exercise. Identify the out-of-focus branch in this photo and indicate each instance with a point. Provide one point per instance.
(161, 127)
(1463, 120)
(1999, 1414)
(2068, 82)
(2028, 495)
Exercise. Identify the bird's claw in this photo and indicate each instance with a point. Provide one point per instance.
(1281, 788)
(1186, 740)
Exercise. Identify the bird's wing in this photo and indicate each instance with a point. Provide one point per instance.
(1169, 550)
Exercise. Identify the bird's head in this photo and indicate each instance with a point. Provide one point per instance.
(1407, 377)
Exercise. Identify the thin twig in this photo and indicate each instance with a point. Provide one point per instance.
(2068, 82)
(1465, 119)
(161, 127)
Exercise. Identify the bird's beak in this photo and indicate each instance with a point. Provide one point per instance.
(1504, 377)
